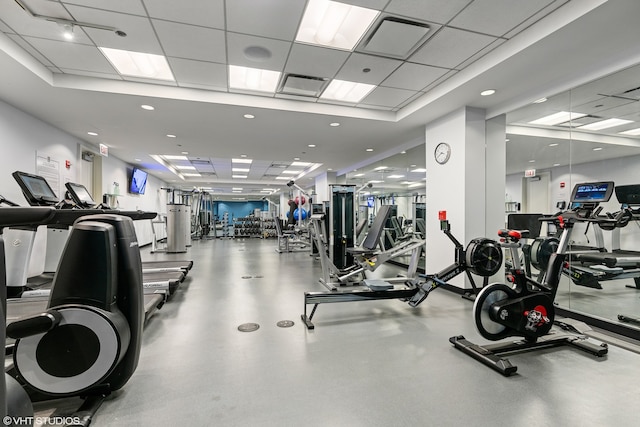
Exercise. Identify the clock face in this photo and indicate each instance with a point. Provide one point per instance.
(442, 153)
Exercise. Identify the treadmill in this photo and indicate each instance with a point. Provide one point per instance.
(81, 196)
(37, 191)
(619, 263)
(153, 276)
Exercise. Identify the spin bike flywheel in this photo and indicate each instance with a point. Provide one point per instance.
(489, 295)
(541, 250)
(483, 257)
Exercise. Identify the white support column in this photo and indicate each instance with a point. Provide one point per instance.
(469, 186)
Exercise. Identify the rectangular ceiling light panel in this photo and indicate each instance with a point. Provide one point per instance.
(633, 132)
(254, 79)
(137, 64)
(396, 38)
(345, 91)
(334, 24)
(557, 118)
(605, 124)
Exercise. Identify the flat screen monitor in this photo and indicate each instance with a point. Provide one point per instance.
(36, 189)
(80, 194)
(628, 195)
(138, 181)
(592, 192)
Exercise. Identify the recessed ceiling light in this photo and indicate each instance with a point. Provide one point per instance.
(379, 168)
(333, 24)
(239, 176)
(311, 145)
(487, 92)
(358, 174)
(632, 132)
(240, 170)
(92, 133)
(346, 91)
(597, 149)
(557, 118)
(191, 174)
(247, 161)
(419, 170)
(243, 155)
(296, 158)
(369, 149)
(556, 164)
(284, 177)
(291, 172)
(249, 116)
(184, 152)
(186, 168)
(300, 164)
(138, 160)
(605, 124)
(395, 176)
(147, 107)
(329, 169)
(170, 135)
(172, 157)
(532, 161)
(540, 101)
(236, 188)
(254, 79)
(507, 140)
(403, 152)
(138, 64)
(553, 144)
(334, 124)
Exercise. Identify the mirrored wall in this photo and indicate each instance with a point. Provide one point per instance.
(588, 134)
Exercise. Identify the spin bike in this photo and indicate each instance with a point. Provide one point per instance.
(526, 309)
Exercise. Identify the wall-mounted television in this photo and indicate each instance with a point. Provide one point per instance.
(138, 181)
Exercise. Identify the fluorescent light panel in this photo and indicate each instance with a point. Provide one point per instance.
(605, 124)
(301, 164)
(240, 169)
(557, 118)
(239, 176)
(247, 161)
(138, 64)
(171, 157)
(334, 24)
(192, 168)
(191, 174)
(632, 132)
(254, 79)
(346, 91)
(291, 172)
(419, 170)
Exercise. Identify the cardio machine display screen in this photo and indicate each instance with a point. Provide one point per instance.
(38, 188)
(79, 193)
(593, 192)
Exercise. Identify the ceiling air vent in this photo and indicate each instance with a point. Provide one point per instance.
(297, 84)
(395, 38)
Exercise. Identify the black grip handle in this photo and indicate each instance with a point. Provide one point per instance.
(34, 325)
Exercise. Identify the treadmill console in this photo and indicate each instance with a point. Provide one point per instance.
(80, 194)
(628, 195)
(36, 189)
(591, 193)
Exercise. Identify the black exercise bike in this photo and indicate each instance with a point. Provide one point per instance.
(526, 309)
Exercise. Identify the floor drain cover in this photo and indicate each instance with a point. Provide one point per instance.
(285, 323)
(246, 277)
(248, 327)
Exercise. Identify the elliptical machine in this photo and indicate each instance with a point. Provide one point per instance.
(87, 342)
(527, 309)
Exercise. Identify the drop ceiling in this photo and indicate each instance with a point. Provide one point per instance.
(468, 46)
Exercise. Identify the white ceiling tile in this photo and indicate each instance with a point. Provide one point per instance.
(440, 11)
(496, 17)
(534, 18)
(72, 55)
(140, 35)
(21, 23)
(315, 61)
(237, 43)
(203, 74)
(387, 97)
(209, 13)
(124, 6)
(413, 76)
(191, 42)
(27, 47)
(481, 53)
(275, 18)
(450, 47)
(380, 68)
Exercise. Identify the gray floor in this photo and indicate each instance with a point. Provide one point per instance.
(378, 363)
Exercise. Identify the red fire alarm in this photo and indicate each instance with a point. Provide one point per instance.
(562, 185)
(442, 215)
(67, 164)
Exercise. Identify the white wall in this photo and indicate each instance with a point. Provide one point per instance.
(22, 136)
